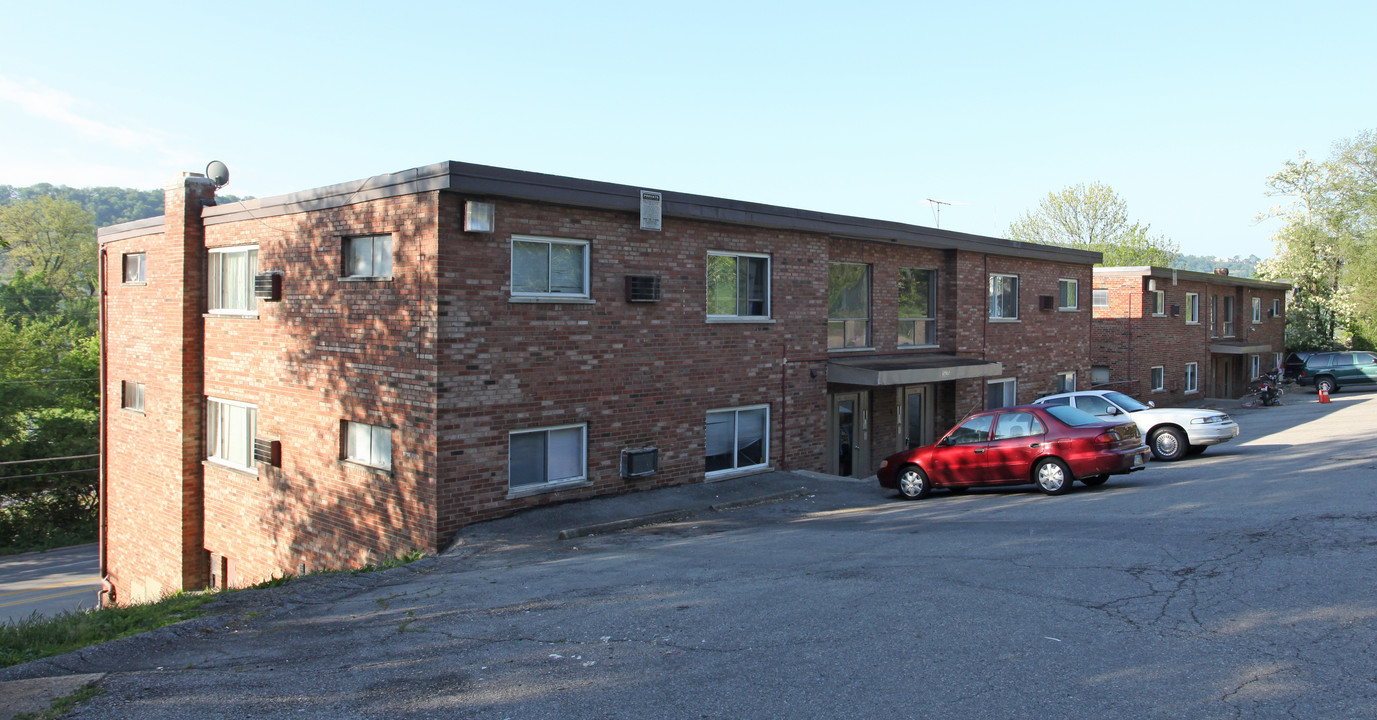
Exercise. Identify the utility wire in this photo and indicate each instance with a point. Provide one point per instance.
(65, 472)
(52, 459)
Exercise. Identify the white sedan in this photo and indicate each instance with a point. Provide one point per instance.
(1172, 433)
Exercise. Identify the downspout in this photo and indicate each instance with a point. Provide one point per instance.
(107, 589)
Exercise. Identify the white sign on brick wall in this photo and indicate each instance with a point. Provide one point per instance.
(651, 203)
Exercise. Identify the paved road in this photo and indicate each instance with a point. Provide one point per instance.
(47, 583)
(1235, 584)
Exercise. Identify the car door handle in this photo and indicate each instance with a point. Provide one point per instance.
(1035, 445)
(977, 452)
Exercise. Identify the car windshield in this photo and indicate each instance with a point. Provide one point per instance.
(1073, 417)
(1125, 402)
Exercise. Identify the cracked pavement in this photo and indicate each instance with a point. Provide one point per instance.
(1238, 584)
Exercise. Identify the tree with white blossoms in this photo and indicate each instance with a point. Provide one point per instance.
(1327, 246)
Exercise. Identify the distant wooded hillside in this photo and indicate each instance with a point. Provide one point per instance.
(1238, 267)
(110, 205)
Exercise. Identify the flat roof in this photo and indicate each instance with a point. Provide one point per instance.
(885, 370)
(484, 181)
(1154, 271)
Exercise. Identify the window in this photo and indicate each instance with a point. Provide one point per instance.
(1003, 297)
(1192, 377)
(975, 430)
(738, 285)
(1257, 310)
(1214, 316)
(848, 306)
(1159, 302)
(1254, 366)
(546, 457)
(231, 280)
(917, 304)
(369, 445)
(737, 439)
(1001, 393)
(1099, 374)
(1277, 362)
(368, 256)
(1095, 405)
(1228, 319)
(1276, 308)
(1192, 309)
(543, 267)
(230, 427)
(1159, 379)
(1068, 294)
(1018, 425)
(1099, 298)
(134, 267)
(131, 396)
(1066, 382)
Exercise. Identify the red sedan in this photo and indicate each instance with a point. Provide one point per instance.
(1050, 445)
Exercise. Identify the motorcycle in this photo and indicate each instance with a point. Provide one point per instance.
(1266, 390)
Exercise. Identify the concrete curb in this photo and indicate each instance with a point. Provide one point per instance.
(36, 695)
(761, 500)
(618, 525)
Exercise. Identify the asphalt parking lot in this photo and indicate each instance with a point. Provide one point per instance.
(1235, 584)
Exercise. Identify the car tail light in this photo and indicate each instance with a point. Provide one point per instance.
(1108, 437)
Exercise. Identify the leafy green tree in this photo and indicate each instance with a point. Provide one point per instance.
(55, 238)
(1093, 217)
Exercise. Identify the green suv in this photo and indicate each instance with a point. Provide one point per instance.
(1330, 371)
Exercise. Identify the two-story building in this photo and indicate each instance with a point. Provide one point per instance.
(1176, 336)
(339, 375)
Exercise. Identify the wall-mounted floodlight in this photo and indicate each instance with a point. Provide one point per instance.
(479, 216)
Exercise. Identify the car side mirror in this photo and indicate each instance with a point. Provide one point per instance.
(1152, 404)
(1114, 410)
(945, 441)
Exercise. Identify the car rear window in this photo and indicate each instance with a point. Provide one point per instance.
(1073, 417)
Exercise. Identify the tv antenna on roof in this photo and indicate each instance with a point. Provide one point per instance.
(937, 210)
(218, 174)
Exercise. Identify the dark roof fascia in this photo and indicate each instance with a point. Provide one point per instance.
(487, 181)
(1192, 275)
(131, 229)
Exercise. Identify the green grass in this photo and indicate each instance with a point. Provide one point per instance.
(63, 705)
(41, 637)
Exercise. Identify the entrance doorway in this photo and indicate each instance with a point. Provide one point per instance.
(1222, 382)
(848, 434)
(915, 417)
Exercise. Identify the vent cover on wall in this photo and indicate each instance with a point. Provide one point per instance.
(642, 288)
(267, 451)
(268, 286)
(1046, 302)
(1175, 310)
(640, 462)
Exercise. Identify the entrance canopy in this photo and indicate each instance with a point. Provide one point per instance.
(1239, 347)
(875, 371)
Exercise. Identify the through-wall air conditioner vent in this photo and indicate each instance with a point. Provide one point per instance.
(267, 451)
(640, 462)
(642, 288)
(1175, 310)
(1046, 302)
(268, 286)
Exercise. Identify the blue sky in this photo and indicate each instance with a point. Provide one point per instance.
(863, 108)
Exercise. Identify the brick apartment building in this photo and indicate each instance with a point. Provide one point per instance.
(336, 376)
(1176, 336)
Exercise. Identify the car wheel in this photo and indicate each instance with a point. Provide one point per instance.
(1167, 444)
(1196, 449)
(1326, 384)
(913, 483)
(1053, 477)
(1095, 480)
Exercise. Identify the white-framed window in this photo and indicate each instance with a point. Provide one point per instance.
(1192, 377)
(549, 267)
(1003, 297)
(135, 268)
(1001, 393)
(848, 305)
(1159, 302)
(917, 307)
(231, 273)
(368, 256)
(737, 438)
(230, 427)
(1254, 366)
(1192, 308)
(1227, 320)
(547, 457)
(738, 285)
(1066, 382)
(1099, 298)
(1257, 310)
(1099, 374)
(1277, 362)
(368, 444)
(1276, 308)
(1158, 379)
(131, 396)
(1068, 294)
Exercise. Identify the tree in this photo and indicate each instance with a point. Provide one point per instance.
(1093, 217)
(54, 238)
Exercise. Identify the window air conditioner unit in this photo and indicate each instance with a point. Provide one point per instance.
(1046, 302)
(1175, 310)
(268, 286)
(642, 288)
(267, 451)
(640, 462)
